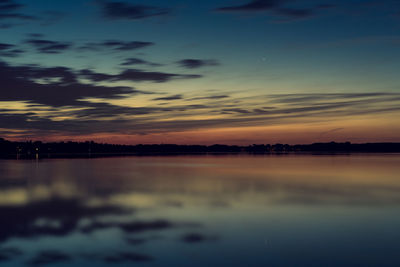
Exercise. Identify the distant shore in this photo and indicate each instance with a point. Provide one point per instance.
(90, 149)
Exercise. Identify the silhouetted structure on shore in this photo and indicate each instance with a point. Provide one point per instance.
(91, 149)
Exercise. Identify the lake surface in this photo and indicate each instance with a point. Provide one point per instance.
(288, 210)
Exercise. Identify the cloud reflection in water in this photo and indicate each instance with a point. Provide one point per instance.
(180, 210)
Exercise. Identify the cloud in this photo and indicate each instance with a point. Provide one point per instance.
(53, 86)
(276, 7)
(96, 118)
(192, 238)
(9, 9)
(136, 75)
(56, 101)
(61, 86)
(54, 89)
(12, 53)
(104, 110)
(138, 61)
(196, 63)
(116, 45)
(130, 227)
(9, 5)
(9, 50)
(122, 10)
(208, 97)
(36, 35)
(296, 12)
(48, 46)
(236, 110)
(172, 97)
(310, 98)
(255, 5)
(4, 46)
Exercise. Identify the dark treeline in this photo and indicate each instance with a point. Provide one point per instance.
(83, 149)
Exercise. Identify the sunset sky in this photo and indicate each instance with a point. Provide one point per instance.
(200, 72)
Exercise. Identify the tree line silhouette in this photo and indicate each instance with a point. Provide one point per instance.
(30, 149)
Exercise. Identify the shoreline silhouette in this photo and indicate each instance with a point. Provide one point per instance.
(38, 149)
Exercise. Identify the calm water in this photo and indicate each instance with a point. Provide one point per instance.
(201, 211)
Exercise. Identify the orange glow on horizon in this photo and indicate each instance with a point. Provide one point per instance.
(356, 131)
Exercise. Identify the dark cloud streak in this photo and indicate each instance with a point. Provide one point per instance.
(125, 46)
(48, 46)
(115, 45)
(122, 10)
(138, 61)
(9, 50)
(255, 5)
(136, 75)
(197, 63)
(276, 7)
(167, 98)
(10, 10)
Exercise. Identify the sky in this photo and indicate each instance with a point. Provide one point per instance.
(200, 72)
